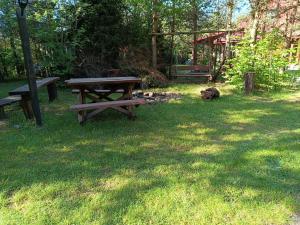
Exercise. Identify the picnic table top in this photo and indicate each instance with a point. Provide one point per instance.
(40, 83)
(102, 80)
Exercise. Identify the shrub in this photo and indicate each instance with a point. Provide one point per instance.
(267, 58)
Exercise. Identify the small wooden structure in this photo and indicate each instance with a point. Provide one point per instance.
(90, 88)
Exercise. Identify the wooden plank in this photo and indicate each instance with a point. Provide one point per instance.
(195, 32)
(189, 67)
(78, 82)
(193, 75)
(9, 100)
(40, 83)
(112, 104)
(100, 91)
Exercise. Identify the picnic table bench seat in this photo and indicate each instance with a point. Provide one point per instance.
(8, 101)
(120, 105)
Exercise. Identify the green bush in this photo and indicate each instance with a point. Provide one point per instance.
(267, 58)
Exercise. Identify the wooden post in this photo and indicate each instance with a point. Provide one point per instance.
(52, 91)
(29, 66)
(172, 40)
(249, 83)
(210, 63)
(195, 26)
(154, 30)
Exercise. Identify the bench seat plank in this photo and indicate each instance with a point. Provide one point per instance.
(10, 100)
(110, 104)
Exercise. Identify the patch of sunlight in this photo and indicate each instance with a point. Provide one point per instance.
(211, 148)
(65, 149)
(115, 183)
(295, 97)
(247, 116)
(187, 126)
(239, 137)
(296, 131)
(149, 145)
(174, 101)
(264, 153)
(233, 194)
(84, 142)
(23, 149)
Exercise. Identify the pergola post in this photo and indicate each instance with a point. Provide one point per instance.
(195, 26)
(21, 17)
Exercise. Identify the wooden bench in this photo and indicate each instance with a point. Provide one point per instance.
(123, 106)
(191, 71)
(50, 82)
(24, 92)
(8, 101)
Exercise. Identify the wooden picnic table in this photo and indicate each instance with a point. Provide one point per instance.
(24, 93)
(90, 89)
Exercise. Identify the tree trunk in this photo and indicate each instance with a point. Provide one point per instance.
(4, 72)
(154, 30)
(291, 22)
(230, 7)
(172, 39)
(249, 83)
(19, 67)
(29, 66)
(254, 28)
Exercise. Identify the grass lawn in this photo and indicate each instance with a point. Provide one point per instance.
(235, 160)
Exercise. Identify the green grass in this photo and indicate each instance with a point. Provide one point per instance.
(231, 161)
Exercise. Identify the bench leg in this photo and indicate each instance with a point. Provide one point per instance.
(81, 117)
(2, 113)
(27, 108)
(52, 92)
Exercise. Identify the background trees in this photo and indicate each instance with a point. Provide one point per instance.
(85, 37)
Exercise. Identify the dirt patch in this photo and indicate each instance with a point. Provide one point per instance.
(157, 97)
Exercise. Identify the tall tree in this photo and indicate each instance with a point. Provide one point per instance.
(154, 30)
(230, 9)
(257, 9)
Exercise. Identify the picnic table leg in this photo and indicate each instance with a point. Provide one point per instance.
(52, 92)
(82, 100)
(130, 96)
(27, 107)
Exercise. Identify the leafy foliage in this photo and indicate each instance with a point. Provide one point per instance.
(267, 58)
